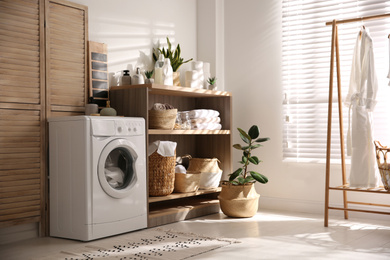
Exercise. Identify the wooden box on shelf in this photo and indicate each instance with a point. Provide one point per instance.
(137, 100)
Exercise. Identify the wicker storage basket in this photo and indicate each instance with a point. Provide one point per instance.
(383, 163)
(162, 119)
(211, 173)
(187, 182)
(161, 174)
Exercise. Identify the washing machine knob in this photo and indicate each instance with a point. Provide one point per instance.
(119, 129)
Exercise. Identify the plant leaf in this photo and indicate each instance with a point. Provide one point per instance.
(249, 179)
(254, 160)
(241, 180)
(244, 159)
(260, 140)
(235, 174)
(245, 148)
(254, 146)
(169, 43)
(244, 136)
(237, 146)
(253, 132)
(259, 177)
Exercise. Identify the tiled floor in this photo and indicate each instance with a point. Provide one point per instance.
(268, 235)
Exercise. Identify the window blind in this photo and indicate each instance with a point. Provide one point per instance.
(306, 53)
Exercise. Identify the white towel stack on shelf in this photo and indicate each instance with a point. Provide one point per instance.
(205, 119)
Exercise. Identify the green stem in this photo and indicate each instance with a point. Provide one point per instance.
(247, 159)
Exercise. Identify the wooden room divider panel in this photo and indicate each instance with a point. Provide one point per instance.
(38, 79)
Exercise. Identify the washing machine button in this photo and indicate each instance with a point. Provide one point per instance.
(119, 129)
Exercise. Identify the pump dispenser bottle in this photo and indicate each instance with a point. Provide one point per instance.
(158, 73)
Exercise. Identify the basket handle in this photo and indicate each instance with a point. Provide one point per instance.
(381, 154)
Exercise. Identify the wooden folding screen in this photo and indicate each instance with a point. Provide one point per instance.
(66, 58)
(27, 66)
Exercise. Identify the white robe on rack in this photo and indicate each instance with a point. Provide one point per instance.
(361, 100)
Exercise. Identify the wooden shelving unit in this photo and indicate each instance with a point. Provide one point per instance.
(137, 100)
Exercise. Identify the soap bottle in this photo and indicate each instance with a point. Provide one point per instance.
(158, 73)
(108, 111)
(138, 78)
(167, 73)
(126, 79)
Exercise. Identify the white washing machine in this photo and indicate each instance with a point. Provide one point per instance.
(97, 176)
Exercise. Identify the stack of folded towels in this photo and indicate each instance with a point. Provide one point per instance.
(205, 119)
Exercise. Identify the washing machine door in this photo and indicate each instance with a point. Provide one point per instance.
(117, 168)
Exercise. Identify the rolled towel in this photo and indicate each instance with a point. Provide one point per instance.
(160, 106)
(199, 113)
(201, 120)
(191, 75)
(206, 126)
(192, 84)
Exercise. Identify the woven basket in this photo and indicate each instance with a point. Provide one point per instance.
(204, 165)
(187, 182)
(211, 173)
(162, 119)
(383, 163)
(161, 174)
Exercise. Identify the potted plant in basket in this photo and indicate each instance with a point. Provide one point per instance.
(174, 56)
(238, 197)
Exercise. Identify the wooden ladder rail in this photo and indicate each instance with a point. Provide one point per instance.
(335, 52)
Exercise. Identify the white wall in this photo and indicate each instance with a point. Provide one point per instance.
(131, 29)
(253, 74)
(210, 37)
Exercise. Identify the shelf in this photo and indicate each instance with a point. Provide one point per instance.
(188, 132)
(156, 89)
(191, 208)
(174, 196)
(372, 190)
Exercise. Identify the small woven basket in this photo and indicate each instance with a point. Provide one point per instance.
(162, 119)
(383, 163)
(204, 165)
(210, 172)
(187, 182)
(161, 174)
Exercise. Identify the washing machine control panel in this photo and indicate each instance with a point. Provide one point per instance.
(126, 127)
(118, 127)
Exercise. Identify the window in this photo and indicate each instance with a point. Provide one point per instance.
(306, 57)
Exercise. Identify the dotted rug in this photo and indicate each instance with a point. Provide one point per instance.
(154, 243)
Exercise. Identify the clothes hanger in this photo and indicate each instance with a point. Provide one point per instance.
(360, 32)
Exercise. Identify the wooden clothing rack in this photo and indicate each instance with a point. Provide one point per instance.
(345, 187)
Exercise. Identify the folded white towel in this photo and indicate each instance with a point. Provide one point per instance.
(180, 169)
(206, 126)
(199, 113)
(202, 120)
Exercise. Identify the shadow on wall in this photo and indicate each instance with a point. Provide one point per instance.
(130, 43)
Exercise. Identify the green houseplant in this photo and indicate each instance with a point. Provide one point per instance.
(148, 75)
(174, 56)
(238, 197)
(212, 83)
